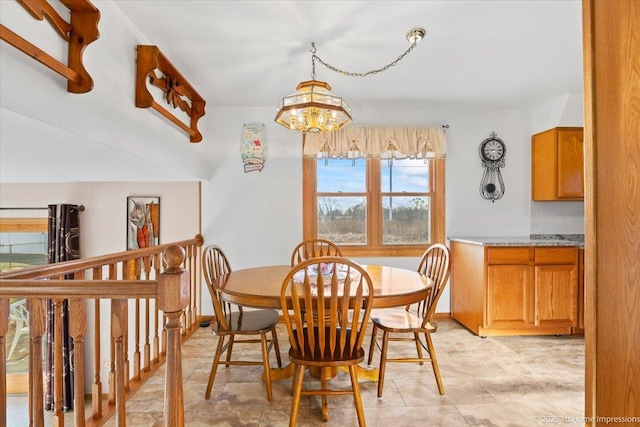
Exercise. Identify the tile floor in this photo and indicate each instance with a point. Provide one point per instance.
(497, 381)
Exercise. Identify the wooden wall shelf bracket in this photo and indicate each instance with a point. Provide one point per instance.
(177, 91)
(79, 32)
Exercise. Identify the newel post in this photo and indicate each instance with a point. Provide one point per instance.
(173, 298)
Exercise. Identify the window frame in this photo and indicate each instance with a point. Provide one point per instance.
(374, 195)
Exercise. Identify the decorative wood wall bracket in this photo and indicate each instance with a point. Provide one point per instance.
(177, 91)
(79, 32)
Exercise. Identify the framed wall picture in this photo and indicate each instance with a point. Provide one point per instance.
(143, 222)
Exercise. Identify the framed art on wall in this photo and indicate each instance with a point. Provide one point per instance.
(143, 222)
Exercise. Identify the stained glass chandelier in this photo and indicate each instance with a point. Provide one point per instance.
(314, 108)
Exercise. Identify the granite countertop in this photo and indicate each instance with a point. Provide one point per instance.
(531, 240)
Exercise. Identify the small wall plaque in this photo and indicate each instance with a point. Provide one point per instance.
(254, 146)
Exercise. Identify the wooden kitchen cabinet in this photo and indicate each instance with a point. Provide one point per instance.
(557, 164)
(524, 290)
(556, 295)
(508, 295)
(509, 287)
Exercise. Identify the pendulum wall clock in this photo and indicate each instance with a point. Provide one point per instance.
(492, 151)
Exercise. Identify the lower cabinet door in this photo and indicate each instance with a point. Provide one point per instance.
(509, 296)
(556, 289)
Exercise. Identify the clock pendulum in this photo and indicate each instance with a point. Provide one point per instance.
(492, 151)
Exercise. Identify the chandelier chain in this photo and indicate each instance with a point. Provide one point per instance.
(351, 74)
(313, 61)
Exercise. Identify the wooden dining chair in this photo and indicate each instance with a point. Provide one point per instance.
(231, 320)
(414, 320)
(326, 318)
(308, 249)
(314, 248)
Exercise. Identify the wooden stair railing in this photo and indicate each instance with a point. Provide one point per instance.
(153, 297)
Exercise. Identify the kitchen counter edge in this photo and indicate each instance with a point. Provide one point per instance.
(516, 241)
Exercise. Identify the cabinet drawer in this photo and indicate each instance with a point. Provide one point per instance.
(508, 255)
(556, 255)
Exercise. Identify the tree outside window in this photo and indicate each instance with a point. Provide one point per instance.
(375, 206)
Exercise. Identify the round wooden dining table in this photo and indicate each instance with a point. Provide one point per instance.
(259, 287)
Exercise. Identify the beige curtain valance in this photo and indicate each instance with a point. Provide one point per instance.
(384, 142)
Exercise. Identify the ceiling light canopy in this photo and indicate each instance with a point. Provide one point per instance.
(415, 35)
(314, 108)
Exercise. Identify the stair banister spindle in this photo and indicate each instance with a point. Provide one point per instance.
(77, 330)
(37, 329)
(119, 313)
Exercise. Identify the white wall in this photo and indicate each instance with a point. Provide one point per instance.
(566, 110)
(34, 151)
(256, 217)
(104, 223)
(104, 220)
(106, 115)
(558, 217)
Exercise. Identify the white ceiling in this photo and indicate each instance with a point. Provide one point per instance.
(507, 54)
(477, 54)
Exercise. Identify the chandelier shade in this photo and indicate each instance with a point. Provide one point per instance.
(313, 108)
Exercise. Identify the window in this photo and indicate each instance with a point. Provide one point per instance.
(374, 206)
(23, 243)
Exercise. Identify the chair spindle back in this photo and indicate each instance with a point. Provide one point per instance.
(435, 264)
(214, 265)
(337, 303)
(309, 249)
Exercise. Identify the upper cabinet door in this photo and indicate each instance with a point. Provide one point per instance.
(557, 165)
(570, 164)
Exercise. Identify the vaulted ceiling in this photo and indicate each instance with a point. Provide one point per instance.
(476, 54)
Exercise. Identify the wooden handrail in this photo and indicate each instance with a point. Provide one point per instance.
(61, 268)
(108, 289)
(165, 276)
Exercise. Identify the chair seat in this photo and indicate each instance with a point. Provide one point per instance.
(248, 322)
(399, 321)
(327, 358)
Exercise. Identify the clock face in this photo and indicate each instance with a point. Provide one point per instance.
(492, 150)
